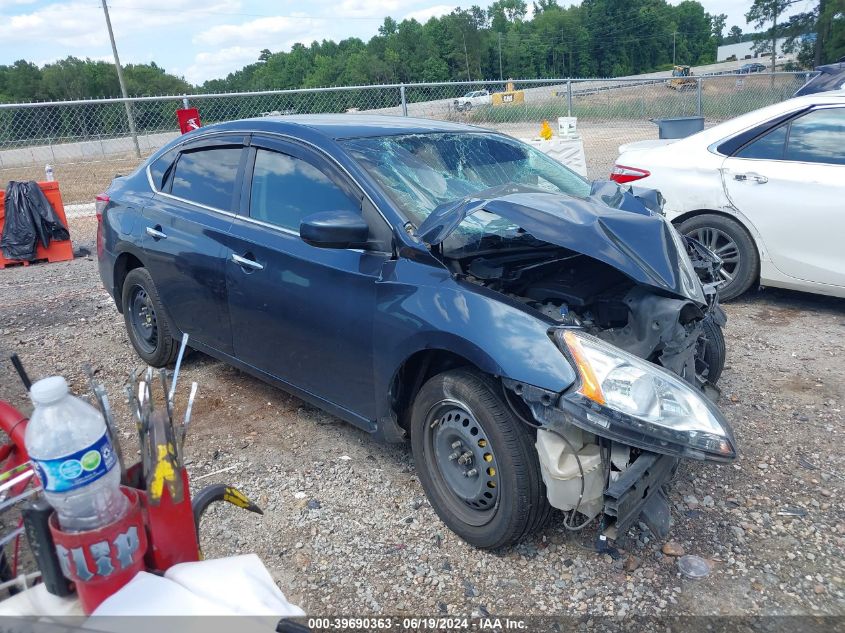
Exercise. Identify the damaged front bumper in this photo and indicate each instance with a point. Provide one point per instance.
(638, 495)
(630, 494)
(624, 485)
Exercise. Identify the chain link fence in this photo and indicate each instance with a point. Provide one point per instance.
(89, 142)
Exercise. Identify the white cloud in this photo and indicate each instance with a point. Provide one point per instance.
(81, 25)
(424, 15)
(368, 8)
(211, 65)
(261, 32)
(6, 4)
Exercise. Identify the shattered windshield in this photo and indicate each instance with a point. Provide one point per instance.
(423, 171)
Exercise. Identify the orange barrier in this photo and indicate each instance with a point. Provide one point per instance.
(57, 251)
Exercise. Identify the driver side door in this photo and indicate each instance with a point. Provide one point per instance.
(303, 314)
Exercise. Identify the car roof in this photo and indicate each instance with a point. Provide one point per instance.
(344, 126)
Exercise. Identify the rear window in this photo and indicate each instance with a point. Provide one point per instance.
(768, 147)
(818, 137)
(207, 176)
(162, 169)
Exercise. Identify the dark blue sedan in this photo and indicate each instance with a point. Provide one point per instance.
(543, 341)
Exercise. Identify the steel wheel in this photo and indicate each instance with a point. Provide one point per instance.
(464, 462)
(142, 316)
(476, 461)
(724, 246)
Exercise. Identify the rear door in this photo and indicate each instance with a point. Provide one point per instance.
(790, 183)
(300, 313)
(185, 231)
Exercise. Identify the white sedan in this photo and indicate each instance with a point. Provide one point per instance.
(765, 191)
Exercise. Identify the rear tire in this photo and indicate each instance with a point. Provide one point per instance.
(729, 240)
(460, 412)
(146, 323)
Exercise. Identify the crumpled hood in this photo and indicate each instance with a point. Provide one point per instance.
(611, 225)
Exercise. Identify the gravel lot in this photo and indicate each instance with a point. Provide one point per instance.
(347, 528)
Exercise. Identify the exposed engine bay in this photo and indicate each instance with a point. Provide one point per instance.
(579, 291)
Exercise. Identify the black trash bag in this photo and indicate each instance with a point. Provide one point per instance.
(30, 219)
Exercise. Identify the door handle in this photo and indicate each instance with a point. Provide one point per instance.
(246, 263)
(156, 233)
(752, 178)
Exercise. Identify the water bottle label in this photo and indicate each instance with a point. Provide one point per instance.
(78, 469)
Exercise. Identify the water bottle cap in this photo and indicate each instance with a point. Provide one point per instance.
(48, 390)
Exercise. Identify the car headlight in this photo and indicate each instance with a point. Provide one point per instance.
(635, 401)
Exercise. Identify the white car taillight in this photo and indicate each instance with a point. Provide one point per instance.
(100, 205)
(623, 174)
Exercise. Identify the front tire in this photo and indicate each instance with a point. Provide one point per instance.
(476, 460)
(146, 324)
(713, 351)
(730, 241)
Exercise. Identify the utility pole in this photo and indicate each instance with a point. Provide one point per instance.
(775, 43)
(674, 33)
(466, 55)
(129, 117)
(501, 77)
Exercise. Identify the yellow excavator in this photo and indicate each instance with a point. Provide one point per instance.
(681, 78)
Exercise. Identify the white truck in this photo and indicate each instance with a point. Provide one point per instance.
(473, 99)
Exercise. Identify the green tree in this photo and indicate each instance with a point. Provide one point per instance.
(718, 24)
(764, 12)
(734, 35)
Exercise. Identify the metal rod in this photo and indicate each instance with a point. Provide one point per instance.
(24, 495)
(130, 118)
(13, 471)
(698, 104)
(103, 400)
(178, 365)
(16, 361)
(186, 422)
(168, 403)
(11, 536)
(16, 480)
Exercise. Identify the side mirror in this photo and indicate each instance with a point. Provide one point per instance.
(334, 229)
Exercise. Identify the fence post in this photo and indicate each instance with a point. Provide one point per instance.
(698, 108)
(568, 97)
(132, 129)
(404, 102)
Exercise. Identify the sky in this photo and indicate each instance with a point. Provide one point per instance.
(207, 39)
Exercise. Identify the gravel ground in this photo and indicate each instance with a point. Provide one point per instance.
(346, 526)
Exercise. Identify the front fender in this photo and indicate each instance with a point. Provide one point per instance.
(423, 307)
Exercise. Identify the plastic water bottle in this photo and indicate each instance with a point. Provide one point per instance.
(48, 173)
(69, 445)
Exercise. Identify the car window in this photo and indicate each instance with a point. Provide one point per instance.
(767, 147)
(286, 189)
(818, 137)
(207, 176)
(161, 169)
